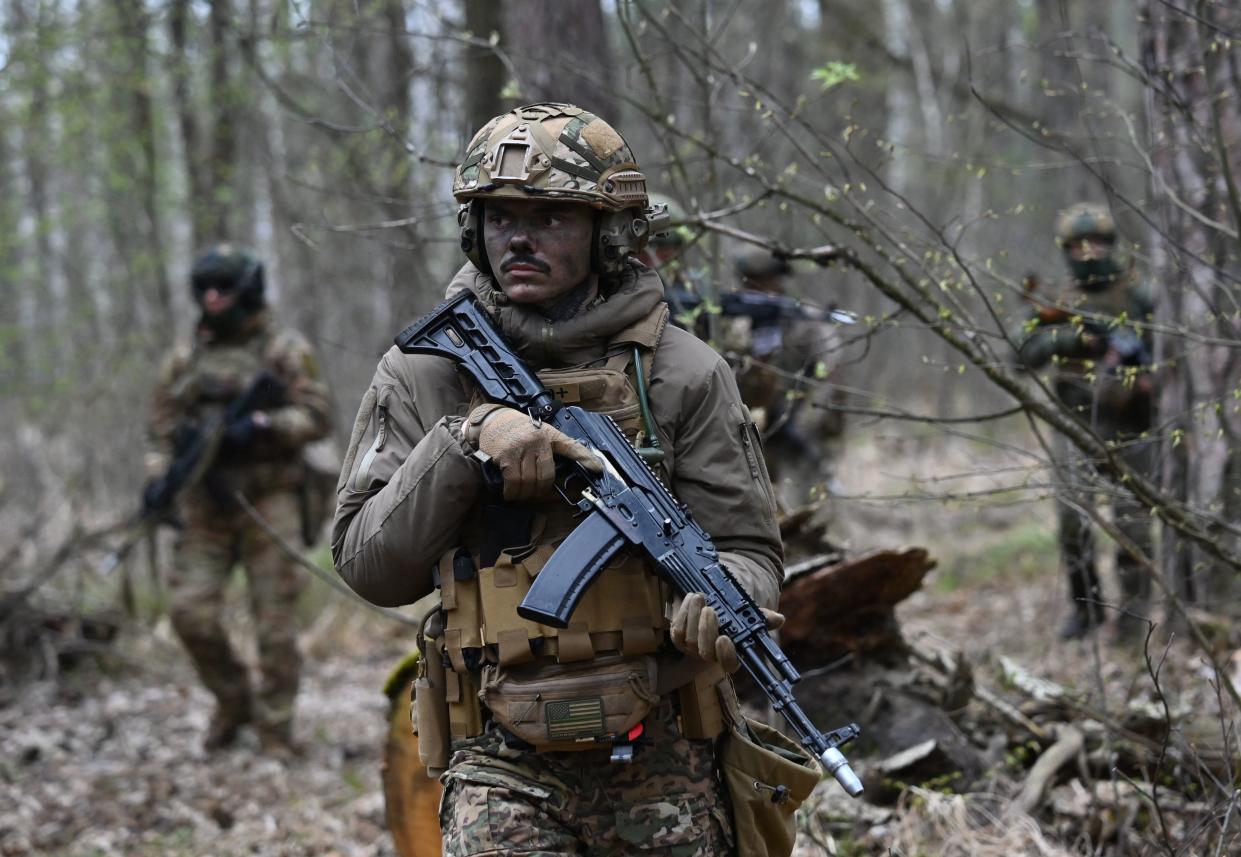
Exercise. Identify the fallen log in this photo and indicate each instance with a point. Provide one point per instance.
(849, 607)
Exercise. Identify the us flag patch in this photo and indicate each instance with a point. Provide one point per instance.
(571, 719)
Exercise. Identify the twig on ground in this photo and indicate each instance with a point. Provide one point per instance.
(1069, 744)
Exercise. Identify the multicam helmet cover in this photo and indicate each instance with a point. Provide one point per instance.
(1084, 220)
(554, 151)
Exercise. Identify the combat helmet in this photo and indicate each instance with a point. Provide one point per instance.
(232, 269)
(1085, 220)
(556, 151)
(757, 263)
(1098, 268)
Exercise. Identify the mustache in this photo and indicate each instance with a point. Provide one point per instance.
(524, 259)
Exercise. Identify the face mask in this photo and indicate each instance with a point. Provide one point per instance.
(1095, 272)
(227, 323)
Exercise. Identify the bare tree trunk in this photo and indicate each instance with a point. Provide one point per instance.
(392, 83)
(14, 359)
(221, 217)
(1191, 113)
(578, 69)
(209, 164)
(487, 76)
(36, 137)
(197, 188)
(139, 158)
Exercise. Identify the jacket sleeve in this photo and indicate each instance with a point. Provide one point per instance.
(307, 413)
(719, 473)
(403, 496)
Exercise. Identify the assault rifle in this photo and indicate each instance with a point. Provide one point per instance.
(762, 307)
(194, 452)
(625, 506)
(1125, 342)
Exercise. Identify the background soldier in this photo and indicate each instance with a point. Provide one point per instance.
(665, 250)
(787, 373)
(1087, 332)
(666, 253)
(259, 456)
(553, 206)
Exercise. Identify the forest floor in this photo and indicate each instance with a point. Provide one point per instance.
(107, 761)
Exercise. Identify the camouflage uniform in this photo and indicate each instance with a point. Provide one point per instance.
(1115, 402)
(667, 801)
(665, 253)
(412, 506)
(217, 534)
(787, 379)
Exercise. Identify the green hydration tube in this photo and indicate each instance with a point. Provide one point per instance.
(652, 453)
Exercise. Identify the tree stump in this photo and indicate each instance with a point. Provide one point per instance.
(849, 607)
(841, 632)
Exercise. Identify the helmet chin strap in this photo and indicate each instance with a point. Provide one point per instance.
(596, 221)
(472, 241)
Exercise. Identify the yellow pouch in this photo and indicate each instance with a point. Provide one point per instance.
(768, 777)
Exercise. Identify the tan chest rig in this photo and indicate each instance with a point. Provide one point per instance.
(213, 377)
(553, 689)
(217, 374)
(1088, 383)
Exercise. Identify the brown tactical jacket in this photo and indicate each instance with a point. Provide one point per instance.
(405, 497)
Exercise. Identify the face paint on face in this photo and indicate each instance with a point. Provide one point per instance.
(539, 250)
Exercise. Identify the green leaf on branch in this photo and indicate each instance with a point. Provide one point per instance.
(834, 73)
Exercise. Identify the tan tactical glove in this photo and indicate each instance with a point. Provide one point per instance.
(696, 631)
(522, 450)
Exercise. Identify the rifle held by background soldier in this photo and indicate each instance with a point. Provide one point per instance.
(761, 307)
(195, 451)
(1117, 344)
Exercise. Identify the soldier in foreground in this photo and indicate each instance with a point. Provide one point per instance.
(259, 455)
(1090, 332)
(553, 207)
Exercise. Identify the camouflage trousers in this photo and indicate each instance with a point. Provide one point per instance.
(213, 541)
(1078, 487)
(500, 802)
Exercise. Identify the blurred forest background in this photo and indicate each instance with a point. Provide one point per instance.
(929, 142)
(324, 133)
